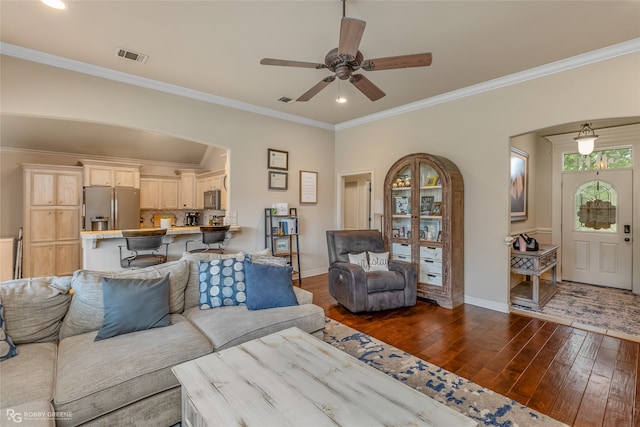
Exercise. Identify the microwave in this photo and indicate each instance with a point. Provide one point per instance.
(212, 199)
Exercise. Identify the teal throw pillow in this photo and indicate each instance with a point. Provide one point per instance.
(7, 348)
(269, 286)
(132, 305)
(222, 282)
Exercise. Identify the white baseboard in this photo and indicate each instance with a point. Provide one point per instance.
(314, 272)
(491, 305)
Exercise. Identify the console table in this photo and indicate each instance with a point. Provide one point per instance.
(290, 378)
(533, 292)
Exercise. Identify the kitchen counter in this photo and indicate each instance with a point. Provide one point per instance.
(101, 252)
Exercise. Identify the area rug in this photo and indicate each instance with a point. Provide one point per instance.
(481, 404)
(610, 309)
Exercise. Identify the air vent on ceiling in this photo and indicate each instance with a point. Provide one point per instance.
(133, 56)
(286, 99)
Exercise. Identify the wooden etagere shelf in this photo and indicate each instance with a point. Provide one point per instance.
(424, 223)
(281, 234)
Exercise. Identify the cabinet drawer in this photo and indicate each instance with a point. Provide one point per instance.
(430, 266)
(401, 249)
(405, 258)
(431, 279)
(431, 252)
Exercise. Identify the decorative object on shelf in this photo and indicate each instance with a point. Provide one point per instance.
(277, 159)
(308, 187)
(278, 180)
(436, 210)
(281, 245)
(280, 208)
(431, 181)
(586, 139)
(519, 184)
(426, 203)
(402, 205)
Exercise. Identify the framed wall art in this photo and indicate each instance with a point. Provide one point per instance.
(281, 245)
(308, 187)
(277, 159)
(519, 184)
(278, 180)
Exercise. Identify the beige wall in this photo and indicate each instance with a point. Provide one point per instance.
(474, 133)
(38, 90)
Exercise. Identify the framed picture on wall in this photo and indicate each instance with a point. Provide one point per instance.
(519, 184)
(277, 159)
(278, 180)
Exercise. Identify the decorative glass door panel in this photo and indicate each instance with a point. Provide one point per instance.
(401, 203)
(430, 204)
(595, 207)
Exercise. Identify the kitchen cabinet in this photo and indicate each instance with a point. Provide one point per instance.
(52, 220)
(188, 189)
(424, 223)
(159, 193)
(111, 174)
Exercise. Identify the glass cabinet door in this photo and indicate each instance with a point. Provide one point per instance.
(401, 204)
(430, 204)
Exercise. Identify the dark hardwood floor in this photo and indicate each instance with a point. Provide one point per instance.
(580, 378)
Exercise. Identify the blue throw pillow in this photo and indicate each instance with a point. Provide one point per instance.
(7, 348)
(222, 282)
(132, 305)
(269, 286)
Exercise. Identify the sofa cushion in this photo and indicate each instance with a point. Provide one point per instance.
(222, 282)
(378, 261)
(94, 378)
(132, 305)
(28, 376)
(268, 286)
(192, 291)
(86, 312)
(382, 281)
(7, 347)
(34, 308)
(233, 325)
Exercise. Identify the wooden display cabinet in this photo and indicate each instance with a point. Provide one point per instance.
(424, 224)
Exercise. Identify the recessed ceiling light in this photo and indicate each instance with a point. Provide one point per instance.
(56, 4)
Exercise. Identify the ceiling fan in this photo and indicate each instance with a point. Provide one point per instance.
(346, 59)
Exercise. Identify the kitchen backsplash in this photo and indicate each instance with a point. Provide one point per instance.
(147, 216)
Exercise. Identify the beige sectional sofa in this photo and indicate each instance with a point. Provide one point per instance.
(126, 379)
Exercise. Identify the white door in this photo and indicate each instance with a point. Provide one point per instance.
(596, 228)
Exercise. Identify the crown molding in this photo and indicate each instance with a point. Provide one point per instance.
(106, 73)
(592, 57)
(620, 49)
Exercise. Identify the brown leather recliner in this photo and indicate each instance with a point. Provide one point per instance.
(360, 291)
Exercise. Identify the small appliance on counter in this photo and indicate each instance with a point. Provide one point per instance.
(192, 219)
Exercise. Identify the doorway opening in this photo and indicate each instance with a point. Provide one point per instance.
(355, 201)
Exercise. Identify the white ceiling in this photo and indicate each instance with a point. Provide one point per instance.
(215, 46)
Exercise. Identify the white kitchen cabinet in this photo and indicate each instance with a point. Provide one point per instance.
(52, 220)
(159, 193)
(188, 189)
(210, 182)
(111, 174)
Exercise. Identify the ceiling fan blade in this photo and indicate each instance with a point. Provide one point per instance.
(317, 88)
(287, 63)
(365, 86)
(402, 61)
(351, 31)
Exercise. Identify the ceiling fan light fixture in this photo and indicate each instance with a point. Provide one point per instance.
(341, 99)
(586, 139)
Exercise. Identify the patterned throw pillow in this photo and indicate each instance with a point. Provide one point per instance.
(359, 259)
(222, 282)
(378, 261)
(7, 349)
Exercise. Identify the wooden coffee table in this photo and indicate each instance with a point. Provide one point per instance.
(290, 378)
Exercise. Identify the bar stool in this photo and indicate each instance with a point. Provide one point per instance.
(145, 248)
(211, 235)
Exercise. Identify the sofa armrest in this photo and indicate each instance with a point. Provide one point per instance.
(303, 297)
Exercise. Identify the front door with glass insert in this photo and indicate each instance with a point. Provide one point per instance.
(596, 228)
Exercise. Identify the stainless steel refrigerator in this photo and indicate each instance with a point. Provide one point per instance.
(111, 208)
